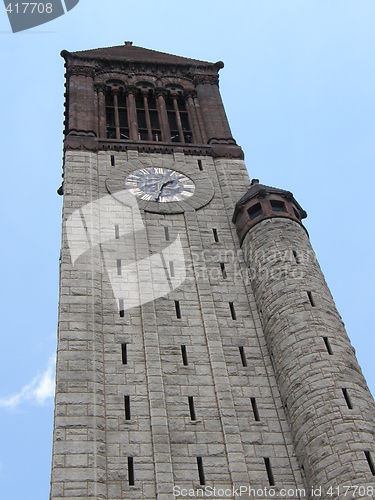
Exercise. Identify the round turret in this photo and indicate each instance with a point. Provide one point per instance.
(329, 406)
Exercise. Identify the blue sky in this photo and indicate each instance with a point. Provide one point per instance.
(298, 87)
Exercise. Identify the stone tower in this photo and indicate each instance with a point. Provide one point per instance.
(199, 348)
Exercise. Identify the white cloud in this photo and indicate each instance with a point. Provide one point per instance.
(41, 388)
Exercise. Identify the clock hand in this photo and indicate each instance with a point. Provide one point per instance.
(161, 188)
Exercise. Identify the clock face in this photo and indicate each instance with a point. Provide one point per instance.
(159, 184)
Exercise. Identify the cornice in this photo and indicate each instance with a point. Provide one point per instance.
(89, 143)
(101, 65)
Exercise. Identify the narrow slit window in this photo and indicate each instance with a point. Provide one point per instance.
(309, 294)
(127, 407)
(192, 408)
(202, 479)
(243, 357)
(118, 267)
(184, 355)
(200, 165)
(216, 237)
(121, 307)
(267, 463)
(347, 398)
(130, 471)
(223, 271)
(232, 310)
(296, 258)
(112, 160)
(328, 346)
(171, 268)
(124, 354)
(166, 232)
(117, 232)
(255, 409)
(178, 309)
(370, 462)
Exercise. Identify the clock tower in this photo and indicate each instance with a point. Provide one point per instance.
(200, 352)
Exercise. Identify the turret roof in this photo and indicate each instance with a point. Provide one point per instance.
(257, 189)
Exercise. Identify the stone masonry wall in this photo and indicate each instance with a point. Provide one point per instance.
(93, 438)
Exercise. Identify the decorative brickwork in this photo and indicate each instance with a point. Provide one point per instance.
(129, 70)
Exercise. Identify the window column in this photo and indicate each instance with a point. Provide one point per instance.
(163, 115)
(193, 118)
(132, 113)
(147, 114)
(178, 119)
(100, 88)
(117, 121)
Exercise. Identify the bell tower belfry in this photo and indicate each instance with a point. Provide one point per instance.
(199, 349)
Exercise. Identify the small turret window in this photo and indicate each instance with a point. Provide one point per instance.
(278, 206)
(255, 211)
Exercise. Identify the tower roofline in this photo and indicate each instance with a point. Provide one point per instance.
(132, 53)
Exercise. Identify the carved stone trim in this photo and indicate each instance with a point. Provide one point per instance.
(189, 93)
(81, 143)
(80, 70)
(149, 68)
(227, 151)
(204, 79)
(131, 89)
(100, 87)
(160, 91)
(90, 143)
(154, 147)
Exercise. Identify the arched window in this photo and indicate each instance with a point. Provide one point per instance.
(118, 113)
